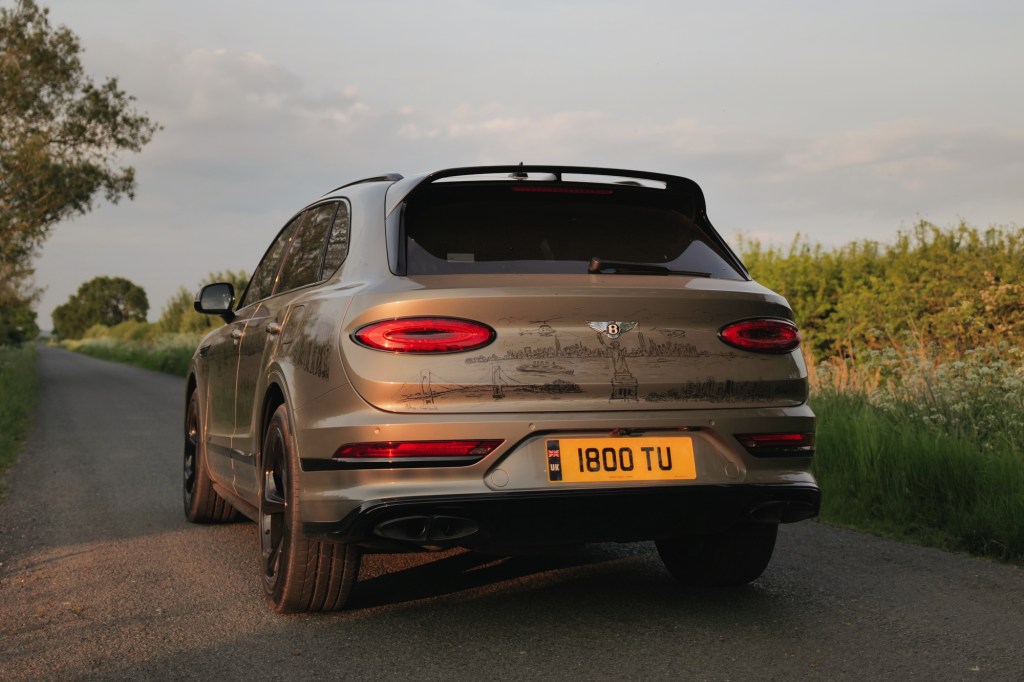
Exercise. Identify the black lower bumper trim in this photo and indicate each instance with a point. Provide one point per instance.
(570, 516)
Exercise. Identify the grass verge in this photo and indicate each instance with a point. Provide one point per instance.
(886, 473)
(18, 380)
(170, 353)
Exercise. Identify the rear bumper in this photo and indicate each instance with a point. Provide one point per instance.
(563, 517)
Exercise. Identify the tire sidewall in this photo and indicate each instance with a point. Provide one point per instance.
(200, 477)
(280, 427)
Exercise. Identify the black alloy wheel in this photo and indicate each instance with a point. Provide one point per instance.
(273, 503)
(191, 448)
(202, 503)
(298, 574)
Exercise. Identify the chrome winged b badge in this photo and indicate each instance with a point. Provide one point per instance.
(613, 329)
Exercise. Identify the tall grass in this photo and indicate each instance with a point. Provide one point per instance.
(925, 448)
(917, 357)
(17, 400)
(169, 353)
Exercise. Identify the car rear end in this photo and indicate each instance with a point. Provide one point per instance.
(556, 356)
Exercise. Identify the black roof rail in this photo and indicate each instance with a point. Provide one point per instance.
(387, 177)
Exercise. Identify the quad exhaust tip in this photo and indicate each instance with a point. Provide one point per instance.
(427, 529)
(782, 512)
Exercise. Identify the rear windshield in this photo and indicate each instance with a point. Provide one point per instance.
(457, 228)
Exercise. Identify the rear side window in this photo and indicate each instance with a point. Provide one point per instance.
(539, 228)
(337, 243)
(302, 266)
(263, 279)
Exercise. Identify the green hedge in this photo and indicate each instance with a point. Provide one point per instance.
(957, 288)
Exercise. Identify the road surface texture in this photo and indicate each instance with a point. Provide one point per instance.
(102, 578)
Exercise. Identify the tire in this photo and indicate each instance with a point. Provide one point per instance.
(298, 574)
(202, 503)
(732, 557)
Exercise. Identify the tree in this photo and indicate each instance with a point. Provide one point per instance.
(179, 315)
(101, 300)
(60, 135)
(17, 318)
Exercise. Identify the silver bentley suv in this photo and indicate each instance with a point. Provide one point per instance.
(503, 358)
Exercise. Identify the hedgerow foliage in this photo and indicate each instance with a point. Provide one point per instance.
(957, 289)
(917, 379)
(179, 315)
(166, 345)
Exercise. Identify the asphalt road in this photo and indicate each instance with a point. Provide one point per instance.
(102, 578)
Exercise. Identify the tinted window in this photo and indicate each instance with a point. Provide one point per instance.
(555, 229)
(302, 265)
(337, 244)
(262, 283)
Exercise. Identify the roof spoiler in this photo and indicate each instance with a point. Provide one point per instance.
(387, 177)
(520, 173)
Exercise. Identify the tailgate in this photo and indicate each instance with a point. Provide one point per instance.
(577, 343)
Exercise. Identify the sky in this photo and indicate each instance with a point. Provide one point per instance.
(834, 121)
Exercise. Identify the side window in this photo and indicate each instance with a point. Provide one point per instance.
(262, 283)
(302, 264)
(337, 244)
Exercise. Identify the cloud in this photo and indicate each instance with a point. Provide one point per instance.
(237, 122)
(887, 173)
(247, 141)
(907, 167)
(221, 96)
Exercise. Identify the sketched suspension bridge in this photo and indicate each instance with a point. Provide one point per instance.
(432, 386)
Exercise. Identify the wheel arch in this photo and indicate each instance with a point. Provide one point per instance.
(190, 386)
(273, 398)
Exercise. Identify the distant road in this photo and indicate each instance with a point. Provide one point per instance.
(102, 578)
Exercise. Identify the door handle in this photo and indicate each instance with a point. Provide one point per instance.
(236, 333)
(274, 328)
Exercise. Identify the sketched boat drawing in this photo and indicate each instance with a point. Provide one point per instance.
(545, 367)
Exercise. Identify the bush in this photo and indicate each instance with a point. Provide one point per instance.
(179, 315)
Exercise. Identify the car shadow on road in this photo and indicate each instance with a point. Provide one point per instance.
(392, 579)
(629, 572)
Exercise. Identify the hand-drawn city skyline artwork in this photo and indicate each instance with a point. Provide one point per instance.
(551, 364)
(713, 391)
(433, 388)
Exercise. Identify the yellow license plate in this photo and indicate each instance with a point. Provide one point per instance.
(575, 460)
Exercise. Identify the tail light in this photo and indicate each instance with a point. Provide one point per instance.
(418, 453)
(764, 335)
(424, 335)
(778, 444)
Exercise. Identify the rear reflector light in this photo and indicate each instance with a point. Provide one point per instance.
(778, 444)
(424, 335)
(766, 335)
(461, 451)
